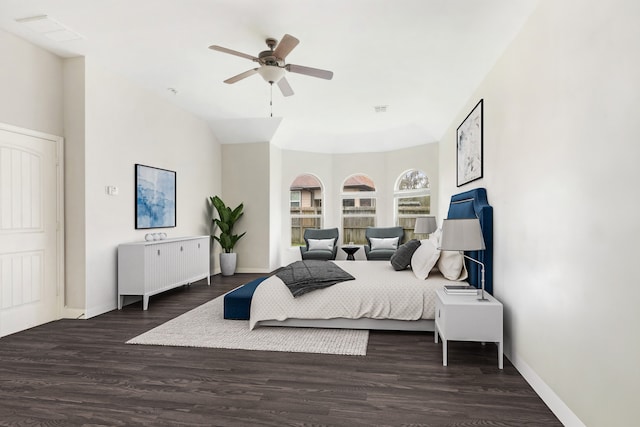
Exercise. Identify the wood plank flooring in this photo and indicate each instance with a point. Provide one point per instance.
(80, 373)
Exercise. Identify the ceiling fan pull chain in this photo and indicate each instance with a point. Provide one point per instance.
(271, 97)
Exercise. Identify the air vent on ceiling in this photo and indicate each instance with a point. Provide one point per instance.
(50, 28)
(380, 108)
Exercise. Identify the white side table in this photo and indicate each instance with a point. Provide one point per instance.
(464, 318)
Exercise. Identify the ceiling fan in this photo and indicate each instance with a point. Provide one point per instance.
(272, 66)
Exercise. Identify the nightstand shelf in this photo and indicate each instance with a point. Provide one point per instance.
(464, 318)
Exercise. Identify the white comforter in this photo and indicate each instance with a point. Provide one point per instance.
(379, 292)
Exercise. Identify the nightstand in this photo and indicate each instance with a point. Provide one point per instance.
(464, 318)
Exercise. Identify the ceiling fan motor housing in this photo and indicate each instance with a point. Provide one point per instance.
(268, 58)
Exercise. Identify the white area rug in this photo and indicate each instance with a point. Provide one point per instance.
(205, 326)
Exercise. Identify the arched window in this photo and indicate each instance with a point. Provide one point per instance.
(358, 208)
(412, 198)
(305, 205)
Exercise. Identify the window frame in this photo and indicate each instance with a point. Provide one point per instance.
(293, 216)
(357, 195)
(412, 193)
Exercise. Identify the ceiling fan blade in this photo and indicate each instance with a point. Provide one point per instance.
(233, 52)
(314, 72)
(286, 90)
(285, 46)
(241, 76)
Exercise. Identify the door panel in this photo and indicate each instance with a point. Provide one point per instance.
(28, 235)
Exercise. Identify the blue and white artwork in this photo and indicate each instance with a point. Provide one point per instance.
(155, 197)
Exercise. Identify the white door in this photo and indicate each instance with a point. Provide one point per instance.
(29, 263)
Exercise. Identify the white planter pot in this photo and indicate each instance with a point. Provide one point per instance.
(228, 263)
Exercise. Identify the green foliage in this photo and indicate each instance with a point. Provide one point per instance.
(413, 180)
(227, 218)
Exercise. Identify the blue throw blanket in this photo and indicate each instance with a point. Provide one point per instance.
(306, 276)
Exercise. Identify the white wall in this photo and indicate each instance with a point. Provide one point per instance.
(246, 179)
(74, 179)
(126, 125)
(275, 207)
(30, 86)
(332, 169)
(561, 151)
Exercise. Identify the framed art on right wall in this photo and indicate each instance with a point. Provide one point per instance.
(469, 147)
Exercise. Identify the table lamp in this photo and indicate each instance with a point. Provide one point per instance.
(464, 235)
(425, 225)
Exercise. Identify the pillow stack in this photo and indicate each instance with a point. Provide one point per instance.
(424, 256)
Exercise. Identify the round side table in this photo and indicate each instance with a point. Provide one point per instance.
(350, 250)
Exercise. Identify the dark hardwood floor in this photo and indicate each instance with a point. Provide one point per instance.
(80, 372)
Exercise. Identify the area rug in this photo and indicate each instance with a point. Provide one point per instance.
(204, 326)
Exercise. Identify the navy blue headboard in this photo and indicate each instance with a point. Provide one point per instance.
(474, 204)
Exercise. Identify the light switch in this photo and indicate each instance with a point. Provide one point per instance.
(112, 190)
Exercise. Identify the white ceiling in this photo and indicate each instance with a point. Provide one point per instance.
(421, 58)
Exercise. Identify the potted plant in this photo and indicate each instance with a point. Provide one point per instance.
(227, 218)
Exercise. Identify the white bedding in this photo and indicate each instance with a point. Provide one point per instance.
(379, 292)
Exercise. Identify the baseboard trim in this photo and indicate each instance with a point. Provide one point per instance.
(72, 313)
(97, 311)
(252, 270)
(552, 400)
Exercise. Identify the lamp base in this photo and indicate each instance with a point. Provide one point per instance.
(482, 297)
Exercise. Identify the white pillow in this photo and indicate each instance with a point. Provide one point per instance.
(436, 237)
(424, 258)
(451, 265)
(321, 244)
(387, 243)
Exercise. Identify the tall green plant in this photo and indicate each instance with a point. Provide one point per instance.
(227, 217)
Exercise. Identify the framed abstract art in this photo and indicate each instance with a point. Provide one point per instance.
(469, 147)
(155, 197)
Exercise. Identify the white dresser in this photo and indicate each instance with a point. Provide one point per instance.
(148, 268)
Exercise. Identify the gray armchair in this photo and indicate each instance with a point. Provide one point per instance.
(320, 234)
(381, 233)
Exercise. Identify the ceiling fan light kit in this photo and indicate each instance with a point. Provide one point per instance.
(272, 65)
(271, 73)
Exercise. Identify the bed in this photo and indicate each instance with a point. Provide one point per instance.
(379, 297)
